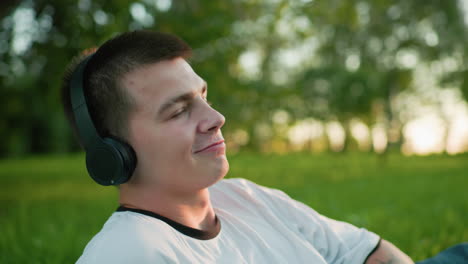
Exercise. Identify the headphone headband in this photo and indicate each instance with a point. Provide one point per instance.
(86, 130)
(109, 161)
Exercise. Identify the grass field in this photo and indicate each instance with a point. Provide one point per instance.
(50, 209)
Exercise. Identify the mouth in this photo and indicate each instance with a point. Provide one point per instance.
(212, 146)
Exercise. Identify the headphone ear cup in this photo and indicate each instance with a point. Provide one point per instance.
(111, 163)
(129, 159)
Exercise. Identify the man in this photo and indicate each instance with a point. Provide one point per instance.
(176, 207)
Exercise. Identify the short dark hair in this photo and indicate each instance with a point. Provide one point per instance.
(108, 102)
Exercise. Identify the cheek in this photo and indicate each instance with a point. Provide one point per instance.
(143, 137)
(166, 141)
(142, 141)
(162, 144)
(177, 138)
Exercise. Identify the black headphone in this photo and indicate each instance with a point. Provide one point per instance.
(109, 161)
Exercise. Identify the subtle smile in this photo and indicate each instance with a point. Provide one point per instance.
(213, 147)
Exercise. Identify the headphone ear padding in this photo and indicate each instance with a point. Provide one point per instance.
(111, 163)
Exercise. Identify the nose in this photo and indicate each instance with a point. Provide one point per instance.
(212, 122)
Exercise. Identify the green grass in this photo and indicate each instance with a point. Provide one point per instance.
(50, 209)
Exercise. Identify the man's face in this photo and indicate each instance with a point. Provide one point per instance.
(172, 127)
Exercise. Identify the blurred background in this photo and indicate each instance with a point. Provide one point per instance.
(297, 75)
(357, 108)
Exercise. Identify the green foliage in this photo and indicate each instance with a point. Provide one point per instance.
(353, 45)
(51, 208)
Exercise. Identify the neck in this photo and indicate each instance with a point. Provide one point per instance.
(191, 209)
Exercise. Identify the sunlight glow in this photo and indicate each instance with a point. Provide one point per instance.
(163, 5)
(141, 15)
(379, 138)
(336, 135)
(100, 17)
(304, 131)
(424, 135)
(249, 62)
(353, 62)
(361, 133)
(407, 58)
(458, 136)
(24, 23)
(464, 7)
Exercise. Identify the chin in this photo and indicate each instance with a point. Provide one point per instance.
(220, 173)
(224, 168)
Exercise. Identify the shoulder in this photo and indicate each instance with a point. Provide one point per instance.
(232, 184)
(244, 186)
(127, 237)
(243, 194)
(245, 189)
(248, 188)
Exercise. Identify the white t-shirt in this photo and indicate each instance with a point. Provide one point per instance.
(258, 225)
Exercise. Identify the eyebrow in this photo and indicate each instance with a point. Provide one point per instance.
(186, 97)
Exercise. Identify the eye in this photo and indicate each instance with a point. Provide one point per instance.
(179, 112)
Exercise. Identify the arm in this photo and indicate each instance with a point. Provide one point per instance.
(387, 253)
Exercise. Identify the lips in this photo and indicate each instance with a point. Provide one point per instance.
(209, 146)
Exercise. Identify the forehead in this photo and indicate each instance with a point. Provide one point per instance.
(158, 82)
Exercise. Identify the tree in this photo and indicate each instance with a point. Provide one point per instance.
(365, 51)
